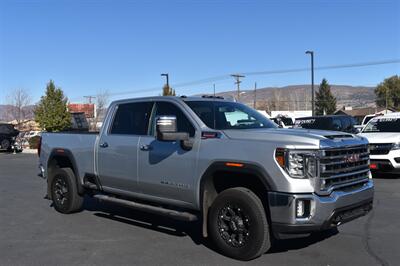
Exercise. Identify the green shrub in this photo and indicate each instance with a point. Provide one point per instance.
(34, 142)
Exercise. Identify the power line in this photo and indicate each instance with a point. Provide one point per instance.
(254, 73)
(90, 97)
(385, 62)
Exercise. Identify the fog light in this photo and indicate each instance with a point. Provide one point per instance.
(302, 208)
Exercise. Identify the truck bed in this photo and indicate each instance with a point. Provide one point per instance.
(79, 144)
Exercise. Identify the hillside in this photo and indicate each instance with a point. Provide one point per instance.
(298, 97)
(5, 113)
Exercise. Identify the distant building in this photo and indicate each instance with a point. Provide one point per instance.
(26, 125)
(89, 109)
(360, 113)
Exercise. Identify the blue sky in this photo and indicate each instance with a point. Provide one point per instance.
(123, 46)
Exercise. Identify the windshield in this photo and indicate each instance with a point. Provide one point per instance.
(313, 123)
(383, 124)
(229, 115)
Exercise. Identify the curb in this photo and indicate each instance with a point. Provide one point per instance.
(29, 151)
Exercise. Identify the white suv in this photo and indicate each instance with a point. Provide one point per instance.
(383, 134)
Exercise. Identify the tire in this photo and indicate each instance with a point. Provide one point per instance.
(64, 191)
(238, 225)
(6, 144)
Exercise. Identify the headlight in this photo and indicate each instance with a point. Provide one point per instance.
(297, 163)
(396, 146)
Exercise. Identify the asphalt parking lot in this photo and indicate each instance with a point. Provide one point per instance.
(33, 233)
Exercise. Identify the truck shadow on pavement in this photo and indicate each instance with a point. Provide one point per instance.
(191, 229)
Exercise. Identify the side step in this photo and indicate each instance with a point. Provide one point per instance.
(183, 216)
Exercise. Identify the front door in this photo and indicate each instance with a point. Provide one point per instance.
(118, 146)
(165, 169)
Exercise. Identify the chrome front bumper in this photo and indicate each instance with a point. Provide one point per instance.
(324, 211)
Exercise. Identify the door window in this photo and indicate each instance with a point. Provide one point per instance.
(132, 118)
(183, 123)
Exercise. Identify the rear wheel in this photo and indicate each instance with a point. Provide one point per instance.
(238, 224)
(64, 191)
(6, 144)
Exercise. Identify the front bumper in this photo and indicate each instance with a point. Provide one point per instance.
(387, 163)
(325, 211)
(384, 166)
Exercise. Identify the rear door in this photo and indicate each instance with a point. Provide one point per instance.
(118, 146)
(165, 169)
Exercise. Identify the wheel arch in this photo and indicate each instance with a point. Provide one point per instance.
(60, 157)
(219, 176)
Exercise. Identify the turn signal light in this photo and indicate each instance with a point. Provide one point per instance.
(234, 164)
(280, 157)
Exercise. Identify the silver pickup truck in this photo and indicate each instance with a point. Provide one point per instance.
(216, 161)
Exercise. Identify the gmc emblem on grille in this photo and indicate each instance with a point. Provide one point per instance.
(352, 158)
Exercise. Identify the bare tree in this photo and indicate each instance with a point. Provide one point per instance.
(102, 100)
(18, 100)
(276, 99)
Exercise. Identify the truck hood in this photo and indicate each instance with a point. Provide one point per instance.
(382, 137)
(298, 138)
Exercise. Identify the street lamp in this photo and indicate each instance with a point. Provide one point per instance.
(167, 77)
(312, 80)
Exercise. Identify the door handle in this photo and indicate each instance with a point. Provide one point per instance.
(103, 145)
(145, 147)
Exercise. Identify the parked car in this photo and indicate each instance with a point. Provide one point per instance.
(365, 121)
(216, 161)
(383, 134)
(342, 123)
(283, 121)
(8, 135)
(31, 134)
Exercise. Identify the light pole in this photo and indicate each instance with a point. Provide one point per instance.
(312, 80)
(167, 77)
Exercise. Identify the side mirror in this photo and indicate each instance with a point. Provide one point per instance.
(166, 129)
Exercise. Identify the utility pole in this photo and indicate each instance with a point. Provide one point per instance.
(386, 99)
(238, 81)
(89, 98)
(312, 80)
(167, 77)
(214, 89)
(255, 95)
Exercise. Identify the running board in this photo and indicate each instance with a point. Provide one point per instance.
(183, 216)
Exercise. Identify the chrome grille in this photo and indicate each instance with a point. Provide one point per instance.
(343, 168)
(380, 148)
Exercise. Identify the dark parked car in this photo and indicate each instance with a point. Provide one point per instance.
(343, 123)
(7, 136)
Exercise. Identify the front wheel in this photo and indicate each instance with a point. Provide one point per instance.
(238, 224)
(64, 191)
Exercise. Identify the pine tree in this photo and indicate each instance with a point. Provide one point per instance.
(51, 113)
(325, 102)
(168, 91)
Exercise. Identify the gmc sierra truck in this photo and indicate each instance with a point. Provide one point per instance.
(216, 161)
